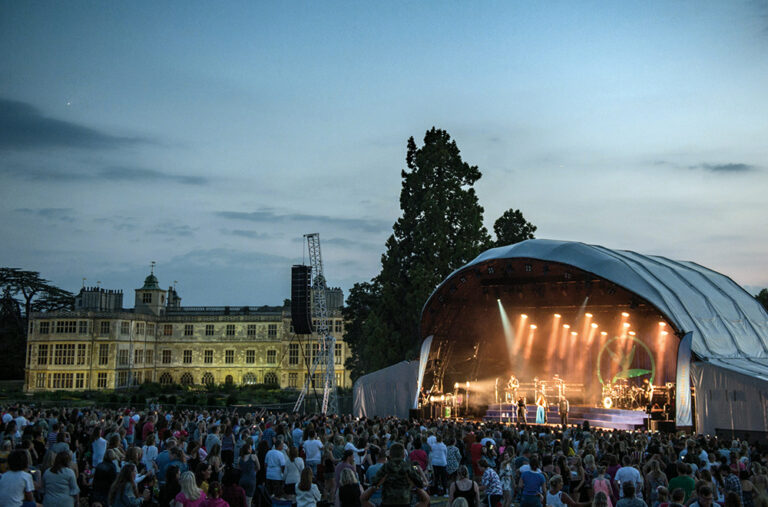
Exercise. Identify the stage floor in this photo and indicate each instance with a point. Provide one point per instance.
(613, 418)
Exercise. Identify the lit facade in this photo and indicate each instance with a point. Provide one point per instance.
(100, 345)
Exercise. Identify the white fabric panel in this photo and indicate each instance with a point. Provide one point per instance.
(727, 322)
(423, 359)
(389, 391)
(729, 400)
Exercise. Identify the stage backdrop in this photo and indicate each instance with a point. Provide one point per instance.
(389, 391)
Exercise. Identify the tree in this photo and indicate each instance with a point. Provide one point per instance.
(762, 296)
(512, 227)
(440, 229)
(363, 297)
(25, 290)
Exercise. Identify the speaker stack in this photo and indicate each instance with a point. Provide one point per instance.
(301, 299)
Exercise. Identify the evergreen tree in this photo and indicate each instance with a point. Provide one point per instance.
(362, 298)
(441, 229)
(512, 227)
(762, 297)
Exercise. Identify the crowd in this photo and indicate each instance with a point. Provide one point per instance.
(189, 458)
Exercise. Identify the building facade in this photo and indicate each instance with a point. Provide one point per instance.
(100, 345)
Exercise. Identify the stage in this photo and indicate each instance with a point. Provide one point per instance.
(612, 418)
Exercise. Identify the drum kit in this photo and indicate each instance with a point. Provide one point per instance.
(624, 395)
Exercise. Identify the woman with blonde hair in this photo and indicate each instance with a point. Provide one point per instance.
(190, 495)
(349, 489)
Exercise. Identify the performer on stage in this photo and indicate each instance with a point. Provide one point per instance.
(563, 407)
(521, 411)
(512, 387)
(541, 408)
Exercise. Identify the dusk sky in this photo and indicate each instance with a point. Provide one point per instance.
(209, 136)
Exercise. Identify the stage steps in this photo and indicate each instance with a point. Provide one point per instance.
(613, 418)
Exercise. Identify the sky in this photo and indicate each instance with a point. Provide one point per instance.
(210, 136)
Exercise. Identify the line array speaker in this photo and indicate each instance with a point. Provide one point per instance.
(301, 299)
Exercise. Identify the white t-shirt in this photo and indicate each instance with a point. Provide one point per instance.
(99, 448)
(312, 450)
(274, 461)
(148, 456)
(439, 455)
(12, 487)
(630, 474)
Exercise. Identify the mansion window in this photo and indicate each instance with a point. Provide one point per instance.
(337, 378)
(104, 327)
(166, 356)
(337, 326)
(40, 381)
(79, 380)
(81, 353)
(122, 357)
(271, 378)
(249, 379)
(62, 381)
(138, 356)
(189, 329)
(103, 354)
(150, 329)
(64, 353)
(66, 326)
(252, 330)
(271, 357)
(136, 378)
(140, 328)
(149, 356)
(208, 357)
(187, 357)
(209, 330)
(101, 381)
(42, 355)
(250, 356)
(272, 331)
(166, 379)
(44, 327)
(230, 330)
(187, 379)
(168, 330)
(146, 297)
(337, 357)
(125, 328)
(208, 379)
(122, 378)
(293, 353)
(293, 380)
(82, 327)
(229, 356)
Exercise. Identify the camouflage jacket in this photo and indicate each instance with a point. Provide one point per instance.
(396, 489)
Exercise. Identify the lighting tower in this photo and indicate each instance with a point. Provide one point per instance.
(323, 361)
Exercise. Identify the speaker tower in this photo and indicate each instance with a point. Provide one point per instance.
(301, 299)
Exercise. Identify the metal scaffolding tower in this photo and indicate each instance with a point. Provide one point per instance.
(323, 362)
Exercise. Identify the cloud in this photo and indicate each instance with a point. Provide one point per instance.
(137, 174)
(119, 223)
(112, 173)
(249, 234)
(266, 215)
(57, 214)
(24, 127)
(726, 168)
(170, 229)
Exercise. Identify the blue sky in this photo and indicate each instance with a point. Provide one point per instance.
(210, 136)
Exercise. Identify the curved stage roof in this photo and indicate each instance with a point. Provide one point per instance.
(730, 328)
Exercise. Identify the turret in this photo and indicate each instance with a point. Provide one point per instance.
(150, 298)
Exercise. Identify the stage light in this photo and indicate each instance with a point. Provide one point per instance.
(523, 316)
(632, 333)
(456, 385)
(533, 326)
(566, 326)
(594, 325)
(467, 383)
(588, 315)
(626, 324)
(574, 333)
(662, 324)
(557, 315)
(432, 399)
(603, 333)
(442, 397)
(498, 300)
(624, 314)
(664, 333)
